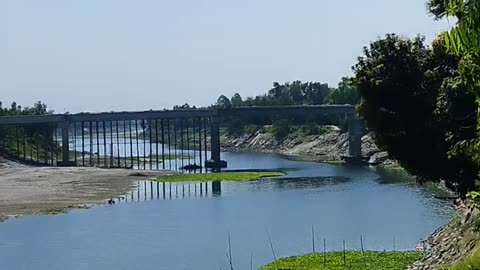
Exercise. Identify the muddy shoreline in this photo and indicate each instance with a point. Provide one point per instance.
(28, 190)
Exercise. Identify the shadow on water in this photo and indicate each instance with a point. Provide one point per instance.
(308, 182)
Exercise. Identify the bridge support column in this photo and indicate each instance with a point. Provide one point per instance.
(215, 163)
(355, 133)
(65, 149)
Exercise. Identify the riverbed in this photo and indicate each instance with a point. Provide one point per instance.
(268, 218)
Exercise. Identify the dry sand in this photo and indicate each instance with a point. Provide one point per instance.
(29, 190)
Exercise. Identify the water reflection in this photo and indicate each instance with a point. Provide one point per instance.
(185, 225)
(153, 190)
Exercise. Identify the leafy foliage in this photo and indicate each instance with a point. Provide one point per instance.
(33, 135)
(281, 128)
(418, 116)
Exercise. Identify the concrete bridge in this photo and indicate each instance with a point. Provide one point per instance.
(81, 139)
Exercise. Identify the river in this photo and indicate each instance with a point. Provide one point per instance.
(190, 230)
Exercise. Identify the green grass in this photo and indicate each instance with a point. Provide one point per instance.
(334, 162)
(470, 262)
(53, 212)
(372, 260)
(222, 176)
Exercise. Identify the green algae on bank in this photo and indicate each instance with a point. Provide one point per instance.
(221, 176)
(372, 260)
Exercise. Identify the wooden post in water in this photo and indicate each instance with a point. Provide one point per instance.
(324, 252)
(313, 240)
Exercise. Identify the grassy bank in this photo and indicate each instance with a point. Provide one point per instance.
(372, 260)
(222, 176)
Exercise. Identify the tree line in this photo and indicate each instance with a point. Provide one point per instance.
(296, 93)
(26, 142)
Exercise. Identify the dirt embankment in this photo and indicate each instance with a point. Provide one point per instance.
(329, 146)
(29, 190)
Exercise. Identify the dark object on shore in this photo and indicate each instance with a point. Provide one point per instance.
(111, 201)
(213, 165)
(191, 167)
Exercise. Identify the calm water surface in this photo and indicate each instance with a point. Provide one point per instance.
(187, 229)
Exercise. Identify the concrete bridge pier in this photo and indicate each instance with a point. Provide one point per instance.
(355, 132)
(64, 127)
(215, 163)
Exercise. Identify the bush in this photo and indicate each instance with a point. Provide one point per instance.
(281, 128)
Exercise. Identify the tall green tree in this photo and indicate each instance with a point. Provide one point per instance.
(417, 116)
(236, 100)
(223, 102)
(345, 93)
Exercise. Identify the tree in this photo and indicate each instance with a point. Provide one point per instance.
(406, 99)
(281, 128)
(223, 102)
(236, 100)
(315, 93)
(345, 93)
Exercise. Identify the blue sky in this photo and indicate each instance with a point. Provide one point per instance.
(103, 55)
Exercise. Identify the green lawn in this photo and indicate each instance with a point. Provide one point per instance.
(371, 260)
(221, 176)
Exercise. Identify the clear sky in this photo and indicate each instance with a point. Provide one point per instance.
(103, 55)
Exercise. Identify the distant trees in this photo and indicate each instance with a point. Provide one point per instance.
(296, 93)
(345, 93)
(223, 102)
(32, 135)
(38, 108)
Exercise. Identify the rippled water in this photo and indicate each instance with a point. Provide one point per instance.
(187, 227)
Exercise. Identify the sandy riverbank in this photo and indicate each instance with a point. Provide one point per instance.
(29, 190)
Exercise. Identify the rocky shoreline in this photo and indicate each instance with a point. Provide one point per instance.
(453, 242)
(327, 147)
